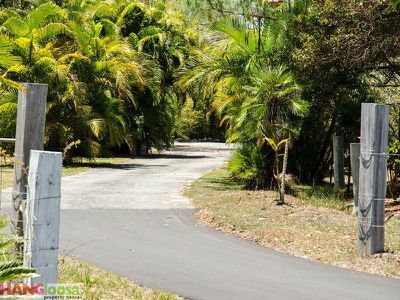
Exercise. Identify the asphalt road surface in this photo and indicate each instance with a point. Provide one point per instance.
(133, 220)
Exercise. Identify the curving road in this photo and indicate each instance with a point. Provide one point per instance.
(132, 219)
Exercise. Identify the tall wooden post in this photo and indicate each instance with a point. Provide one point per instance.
(42, 226)
(355, 171)
(338, 162)
(373, 167)
(29, 135)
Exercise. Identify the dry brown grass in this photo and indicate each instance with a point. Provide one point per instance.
(311, 228)
(100, 284)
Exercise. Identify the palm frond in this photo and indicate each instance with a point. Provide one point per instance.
(38, 16)
(17, 26)
(7, 59)
(51, 30)
(13, 273)
(97, 127)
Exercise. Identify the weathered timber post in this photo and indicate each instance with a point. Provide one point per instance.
(42, 228)
(372, 188)
(31, 118)
(355, 170)
(338, 162)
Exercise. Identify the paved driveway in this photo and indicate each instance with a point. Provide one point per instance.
(132, 219)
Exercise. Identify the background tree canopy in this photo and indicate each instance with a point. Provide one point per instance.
(130, 75)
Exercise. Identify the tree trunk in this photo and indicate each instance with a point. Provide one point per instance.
(398, 124)
(283, 178)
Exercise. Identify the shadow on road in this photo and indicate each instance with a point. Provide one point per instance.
(133, 165)
(174, 156)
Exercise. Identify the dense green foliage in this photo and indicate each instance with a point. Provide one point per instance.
(295, 69)
(110, 67)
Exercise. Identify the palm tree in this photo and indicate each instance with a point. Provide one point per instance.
(91, 70)
(161, 38)
(110, 67)
(254, 97)
(37, 27)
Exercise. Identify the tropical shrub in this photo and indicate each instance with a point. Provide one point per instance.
(110, 67)
(254, 96)
(326, 57)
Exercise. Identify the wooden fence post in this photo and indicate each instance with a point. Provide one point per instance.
(373, 168)
(355, 170)
(338, 162)
(42, 227)
(31, 118)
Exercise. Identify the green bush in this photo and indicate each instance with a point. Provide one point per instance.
(8, 118)
(248, 165)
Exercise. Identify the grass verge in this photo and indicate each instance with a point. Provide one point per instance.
(100, 284)
(315, 224)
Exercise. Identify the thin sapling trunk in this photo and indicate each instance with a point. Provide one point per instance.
(283, 177)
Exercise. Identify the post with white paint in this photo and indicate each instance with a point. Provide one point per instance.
(338, 162)
(43, 215)
(355, 172)
(372, 188)
(31, 118)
